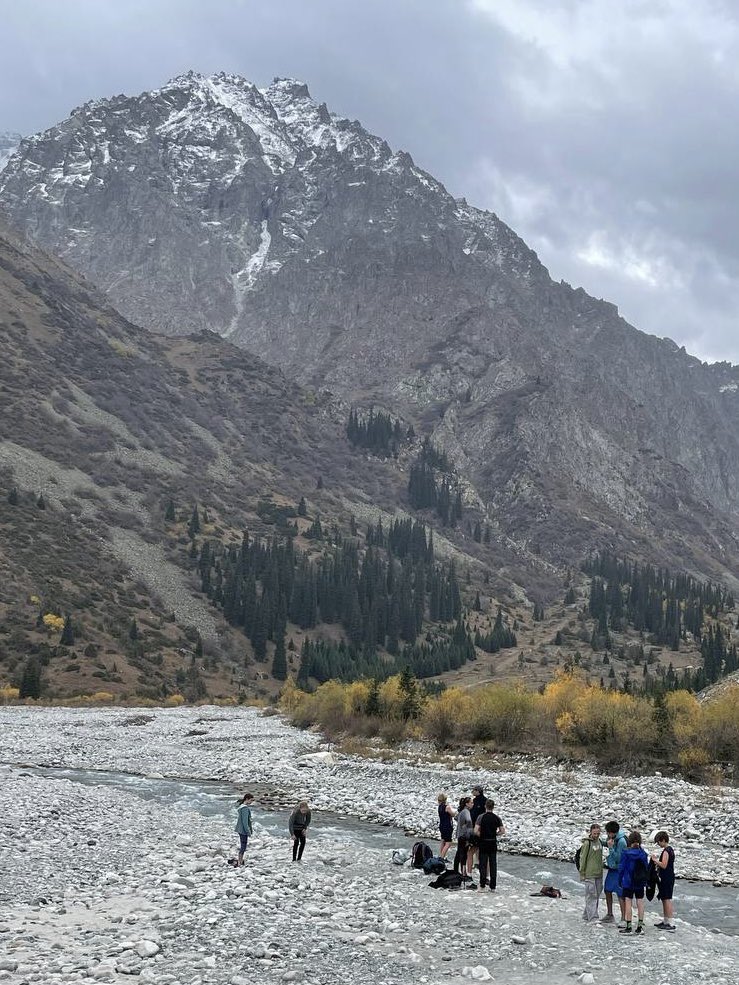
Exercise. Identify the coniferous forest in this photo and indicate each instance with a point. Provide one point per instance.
(432, 486)
(664, 608)
(377, 432)
(380, 596)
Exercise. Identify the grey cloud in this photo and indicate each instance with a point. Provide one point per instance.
(582, 124)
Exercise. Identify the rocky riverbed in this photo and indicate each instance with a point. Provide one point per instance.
(99, 884)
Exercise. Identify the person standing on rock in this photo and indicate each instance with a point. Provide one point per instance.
(616, 847)
(243, 824)
(633, 873)
(591, 871)
(489, 826)
(446, 824)
(464, 830)
(298, 824)
(664, 859)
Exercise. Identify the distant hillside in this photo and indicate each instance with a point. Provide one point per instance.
(112, 437)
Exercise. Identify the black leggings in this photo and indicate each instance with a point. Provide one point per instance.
(298, 845)
(460, 856)
(488, 861)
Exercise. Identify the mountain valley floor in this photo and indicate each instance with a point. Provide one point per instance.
(99, 883)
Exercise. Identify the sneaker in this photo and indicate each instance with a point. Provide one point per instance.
(661, 925)
(608, 919)
(670, 927)
(639, 929)
(626, 930)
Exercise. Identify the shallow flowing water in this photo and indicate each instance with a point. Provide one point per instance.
(698, 903)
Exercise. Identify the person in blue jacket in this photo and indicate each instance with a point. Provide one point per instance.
(633, 872)
(243, 824)
(616, 844)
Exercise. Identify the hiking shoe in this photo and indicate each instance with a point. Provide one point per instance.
(661, 925)
(639, 929)
(670, 927)
(608, 919)
(626, 930)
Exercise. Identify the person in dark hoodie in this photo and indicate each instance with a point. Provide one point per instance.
(633, 872)
(476, 811)
(299, 823)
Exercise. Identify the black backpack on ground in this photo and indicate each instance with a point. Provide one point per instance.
(448, 880)
(420, 854)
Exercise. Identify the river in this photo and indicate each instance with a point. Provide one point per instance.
(700, 903)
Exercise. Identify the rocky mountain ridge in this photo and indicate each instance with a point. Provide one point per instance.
(258, 214)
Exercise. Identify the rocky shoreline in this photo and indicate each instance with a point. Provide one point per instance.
(100, 885)
(546, 806)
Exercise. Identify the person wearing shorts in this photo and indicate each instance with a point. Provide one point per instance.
(633, 873)
(616, 843)
(664, 859)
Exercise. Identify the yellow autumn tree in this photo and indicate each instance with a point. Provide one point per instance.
(447, 716)
(53, 622)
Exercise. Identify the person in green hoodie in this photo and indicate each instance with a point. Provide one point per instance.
(591, 871)
(243, 824)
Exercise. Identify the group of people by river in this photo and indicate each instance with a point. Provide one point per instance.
(298, 825)
(631, 874)
(478, 830)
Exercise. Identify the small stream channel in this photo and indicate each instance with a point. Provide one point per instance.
(698, 903)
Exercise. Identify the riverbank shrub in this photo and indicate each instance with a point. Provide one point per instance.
(569, 713)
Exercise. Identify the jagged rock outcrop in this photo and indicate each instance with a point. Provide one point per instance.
(258, 214)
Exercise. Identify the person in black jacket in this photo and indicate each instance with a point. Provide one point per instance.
(298, 824)
(478, 804)
(487, 829)
(476, 811)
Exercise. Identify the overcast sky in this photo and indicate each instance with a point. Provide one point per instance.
(603, 131)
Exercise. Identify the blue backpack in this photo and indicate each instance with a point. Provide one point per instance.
(434, 866)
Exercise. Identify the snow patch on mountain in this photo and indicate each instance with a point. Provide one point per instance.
(8, 146)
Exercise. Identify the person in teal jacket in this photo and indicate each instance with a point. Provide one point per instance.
(243, 824)
(616, 847)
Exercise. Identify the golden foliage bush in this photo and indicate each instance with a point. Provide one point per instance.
(54, 622)
(502, 712)
(174, 701)
(586, 716)
(718, 729)
(8, 693)
(446, 718)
